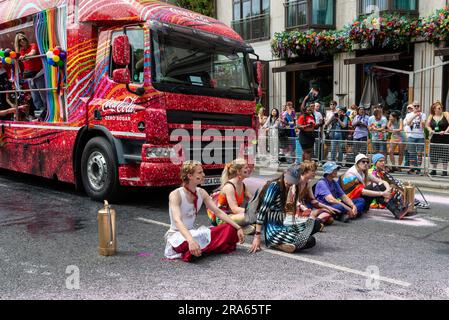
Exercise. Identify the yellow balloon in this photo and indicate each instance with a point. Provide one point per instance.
(8, 60)
(56, 58)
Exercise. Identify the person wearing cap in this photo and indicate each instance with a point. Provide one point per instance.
(338, 133)
(329, 192)
(360, 137)
(407, 130)
(378, 170)
(356, 183)
(271, 215)
(416, 120)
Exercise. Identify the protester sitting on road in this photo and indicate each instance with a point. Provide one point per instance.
(416, 143)
(329, 193)
(397, 139)
(182, 240)
(308, 205)
(360, 136)
(233, 193)
(378, 170)
(377, 126)
(357, 182)
(307, 126)
(272, 213)
(438, 127)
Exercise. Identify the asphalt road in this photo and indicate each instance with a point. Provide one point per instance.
(48, 233)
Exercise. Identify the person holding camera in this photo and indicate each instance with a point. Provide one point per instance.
(338, 132)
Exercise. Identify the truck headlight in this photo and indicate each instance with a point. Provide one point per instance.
(156, 153)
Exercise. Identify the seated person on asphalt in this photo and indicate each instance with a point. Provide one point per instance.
(329, 192)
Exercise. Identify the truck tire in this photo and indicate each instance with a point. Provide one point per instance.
(99, 170)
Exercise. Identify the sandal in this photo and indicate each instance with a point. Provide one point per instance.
(286, 247)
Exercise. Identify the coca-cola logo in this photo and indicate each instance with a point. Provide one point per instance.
(125, 106)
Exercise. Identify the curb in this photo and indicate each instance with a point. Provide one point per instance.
(418, 181)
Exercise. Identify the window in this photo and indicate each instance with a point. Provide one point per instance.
(189, 64)
(400, 6)
(310, 14)
(252, 19)
(137, 43)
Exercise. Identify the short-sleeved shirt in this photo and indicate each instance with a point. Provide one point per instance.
(318, 116)
(304, 120)
(325, 187)
(379, 124)
(416, 129)
(31, 64)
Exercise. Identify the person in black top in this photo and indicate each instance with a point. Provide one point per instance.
(438, 127)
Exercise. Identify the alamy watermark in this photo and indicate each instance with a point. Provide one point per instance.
(72, 282)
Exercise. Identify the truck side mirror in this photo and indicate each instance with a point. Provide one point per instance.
(121, 50)
(122, 76)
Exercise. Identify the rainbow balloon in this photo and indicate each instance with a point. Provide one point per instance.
(8, 56)
(57, 57)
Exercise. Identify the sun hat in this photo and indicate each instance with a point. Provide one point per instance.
(330, 167)
(360, 156)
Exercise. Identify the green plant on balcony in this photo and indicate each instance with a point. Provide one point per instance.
(206, 7)
(386, 32)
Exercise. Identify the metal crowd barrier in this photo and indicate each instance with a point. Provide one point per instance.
(339, 146)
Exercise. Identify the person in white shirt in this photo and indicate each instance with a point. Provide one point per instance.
(416, 120)
(182, 239)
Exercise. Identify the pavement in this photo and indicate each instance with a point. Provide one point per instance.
(49, 238)
(421, 181)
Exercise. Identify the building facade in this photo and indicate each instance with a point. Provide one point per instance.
(347, 77)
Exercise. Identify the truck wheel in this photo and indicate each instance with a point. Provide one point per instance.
(99, 170)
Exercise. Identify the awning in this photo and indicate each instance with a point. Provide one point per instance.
(303, 66)
(373, 58)
(442, 51)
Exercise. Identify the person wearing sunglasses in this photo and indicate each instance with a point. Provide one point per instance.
(356, 183)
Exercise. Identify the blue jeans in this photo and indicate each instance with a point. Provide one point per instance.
(416, 150)
(336, 146)
(359, 203)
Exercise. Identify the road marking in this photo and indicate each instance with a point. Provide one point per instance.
(307, 260)
(386, 216)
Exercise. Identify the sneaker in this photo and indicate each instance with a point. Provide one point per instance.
(374, 205)
(329, 221)
(382, 206)
(286, 247)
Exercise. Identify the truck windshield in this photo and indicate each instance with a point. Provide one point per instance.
(187, 64)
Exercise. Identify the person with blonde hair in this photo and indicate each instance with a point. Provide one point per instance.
(438, 127)
(233, 193)
(182, 240)
(32, 69)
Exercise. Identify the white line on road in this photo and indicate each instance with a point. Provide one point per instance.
(308, 260)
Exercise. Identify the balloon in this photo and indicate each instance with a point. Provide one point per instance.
(13, 54)
(56, 58)
(8, 60)
(50, 55)
(63, 55)
(51, 62)
(60, 63)
(56, 52)
(3, 60)
(2, 53)
(7, 52)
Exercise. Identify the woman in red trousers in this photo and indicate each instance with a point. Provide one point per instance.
(182, 240)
